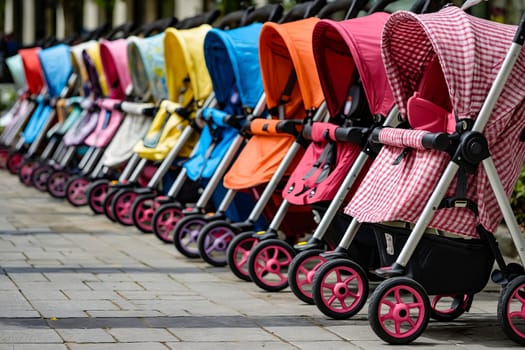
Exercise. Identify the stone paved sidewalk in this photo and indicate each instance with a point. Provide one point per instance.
(71, 280)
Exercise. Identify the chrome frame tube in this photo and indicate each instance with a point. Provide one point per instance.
(506, 209)
(136, 172)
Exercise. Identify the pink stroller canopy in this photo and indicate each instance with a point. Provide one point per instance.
(469, 52)
(115, 62)
(341, 49)
(344, 52)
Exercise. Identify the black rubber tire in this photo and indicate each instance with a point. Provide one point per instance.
(517, 285)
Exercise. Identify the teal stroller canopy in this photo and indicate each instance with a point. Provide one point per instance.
(146, 66)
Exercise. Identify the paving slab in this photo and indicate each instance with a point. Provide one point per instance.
(73, 280)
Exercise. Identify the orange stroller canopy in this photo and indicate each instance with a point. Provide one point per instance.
(293, 91)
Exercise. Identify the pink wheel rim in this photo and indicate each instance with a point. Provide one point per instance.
(76, 191)
(166, 221)
(516, 311)
(144, 212)
(26, 171)
(269, 263)
(449, 310)
(107, 206)
(397, 311)
(55, 184)
(189, 235)
(97, 196)
(342, 289)
(14, 162)
(217, 241)
(123, 207)
(306, 272)
(3, 158)
(41, 179)
(241, 254)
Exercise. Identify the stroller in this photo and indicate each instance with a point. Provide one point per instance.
(146, 67)
(445, 247)
(94, 87)
(328, 38)
(171, 135)
(35, 85)
(114, 62)
(70, 113)
(13, 120)
(57, 69)
(16, 70)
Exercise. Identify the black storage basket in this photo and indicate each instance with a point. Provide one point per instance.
(443, 265)
(363, 249)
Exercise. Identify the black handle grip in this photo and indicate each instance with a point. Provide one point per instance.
(118, 107)
(438, 141)
(150, 111)
(291, 127)
(519, 38)
(355, 135)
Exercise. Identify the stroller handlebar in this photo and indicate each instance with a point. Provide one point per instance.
(417, 139)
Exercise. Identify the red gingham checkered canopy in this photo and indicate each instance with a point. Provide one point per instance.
(470, 52)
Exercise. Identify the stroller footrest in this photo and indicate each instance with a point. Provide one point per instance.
(242, 226)
(263, 235)
(391, 271)
(337, 253)
(312, 243)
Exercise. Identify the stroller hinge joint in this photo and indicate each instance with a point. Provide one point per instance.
(472, 150)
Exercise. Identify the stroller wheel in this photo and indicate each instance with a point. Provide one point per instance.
(186, 233)
(13, 162)
(164, 220)
(213, 241)
(238, 253)
(40, 176)
(56, 183)
(399, 310)
(4, 153)
(96, 192)
(106, 205)
(511, 310)
(449, 307)
(268, 264)
(121, 206)
(340, 288)
(76, 190)
(302, 271)
(26, 170)
(142, 212)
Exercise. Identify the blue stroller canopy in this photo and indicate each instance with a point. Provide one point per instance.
(232, 58)
(57, 67)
